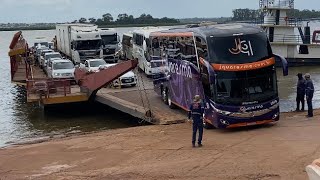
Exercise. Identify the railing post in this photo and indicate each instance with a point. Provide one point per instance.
(64, 87)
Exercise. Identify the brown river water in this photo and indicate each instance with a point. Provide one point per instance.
(20, 121)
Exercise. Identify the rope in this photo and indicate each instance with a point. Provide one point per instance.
(141, 96)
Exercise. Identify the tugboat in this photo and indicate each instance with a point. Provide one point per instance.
(299, 49)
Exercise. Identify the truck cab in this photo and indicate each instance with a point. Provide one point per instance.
(111, 45)
(85, 44)
(78, 42)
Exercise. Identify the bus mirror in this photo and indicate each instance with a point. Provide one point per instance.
(284, 63)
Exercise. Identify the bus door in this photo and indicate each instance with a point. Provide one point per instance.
(183, 64)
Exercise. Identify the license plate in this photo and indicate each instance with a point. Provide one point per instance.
(252, 123)
(127, 81)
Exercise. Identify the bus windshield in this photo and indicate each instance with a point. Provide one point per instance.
(239, 49)
(238, 88)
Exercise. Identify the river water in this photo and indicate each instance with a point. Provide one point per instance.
(20, 120)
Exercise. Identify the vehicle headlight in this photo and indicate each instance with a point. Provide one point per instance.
(225, 113)
(149, 64)
(118, 52)
(56, 74)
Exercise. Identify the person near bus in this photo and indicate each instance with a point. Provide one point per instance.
(196, 112)
(301, 90)
(309, 94)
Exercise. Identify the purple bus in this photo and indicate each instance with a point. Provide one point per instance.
(231, 66)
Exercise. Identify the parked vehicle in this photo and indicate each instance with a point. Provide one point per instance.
(128, 79)
(49, 55)
(49, 65)
(127, 46)
(111, 45)
(40, 41)
(61, 69)
(93, 65)
(42, 54)
(142, 49)
(79, 42)
(231, 66)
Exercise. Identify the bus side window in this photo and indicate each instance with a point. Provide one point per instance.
(202, 48)
(208, 89)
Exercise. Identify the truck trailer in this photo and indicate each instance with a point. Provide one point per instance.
(79, 42)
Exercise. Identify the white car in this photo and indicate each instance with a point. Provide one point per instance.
(41, 57)
(47, 69)
(61, 69)
(128, 79)
(48, 56)
(93, 65)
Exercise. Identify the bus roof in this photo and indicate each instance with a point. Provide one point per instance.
(219, 30)
(146, 31)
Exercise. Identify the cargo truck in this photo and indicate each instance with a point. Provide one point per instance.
(111, 45)
(79, 42)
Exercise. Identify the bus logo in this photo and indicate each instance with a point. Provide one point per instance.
(243, 47)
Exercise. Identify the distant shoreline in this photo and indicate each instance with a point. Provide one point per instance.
(100, 26)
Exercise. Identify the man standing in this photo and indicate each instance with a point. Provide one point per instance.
(309, 94)
(301, 90)
(196, 112)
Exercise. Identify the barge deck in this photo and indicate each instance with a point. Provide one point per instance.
(140, 101)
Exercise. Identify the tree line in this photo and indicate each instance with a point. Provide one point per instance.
(252, 14)
(122, 19)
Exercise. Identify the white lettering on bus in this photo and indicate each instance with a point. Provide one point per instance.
(180, 69)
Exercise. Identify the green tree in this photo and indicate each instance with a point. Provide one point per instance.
(82, 20)
(92, 20)
(107, 18)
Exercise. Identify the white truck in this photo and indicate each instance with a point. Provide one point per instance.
(79, 42)
(111, 44)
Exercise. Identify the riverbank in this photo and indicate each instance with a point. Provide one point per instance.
(100, 26)
(278, 151)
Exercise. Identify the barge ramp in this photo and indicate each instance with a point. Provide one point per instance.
(141, 102)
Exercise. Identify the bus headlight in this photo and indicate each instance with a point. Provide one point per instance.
(225, 122)
(275, 116)
(225, 113)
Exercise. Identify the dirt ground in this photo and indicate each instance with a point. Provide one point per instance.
(279, 151)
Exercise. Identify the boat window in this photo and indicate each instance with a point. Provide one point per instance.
(239, 49)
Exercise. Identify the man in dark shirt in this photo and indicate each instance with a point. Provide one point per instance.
(301, 90)
(309, 94)
(196, 112)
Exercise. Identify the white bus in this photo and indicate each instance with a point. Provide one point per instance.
(142, 48)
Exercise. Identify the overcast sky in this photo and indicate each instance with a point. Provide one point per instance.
(68, 10)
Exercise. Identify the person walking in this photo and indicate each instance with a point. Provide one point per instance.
(196, 113)
(301, 90)
(309, 94)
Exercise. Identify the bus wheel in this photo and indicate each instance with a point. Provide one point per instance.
(207, 125)
(171, 105)
(164, 95)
